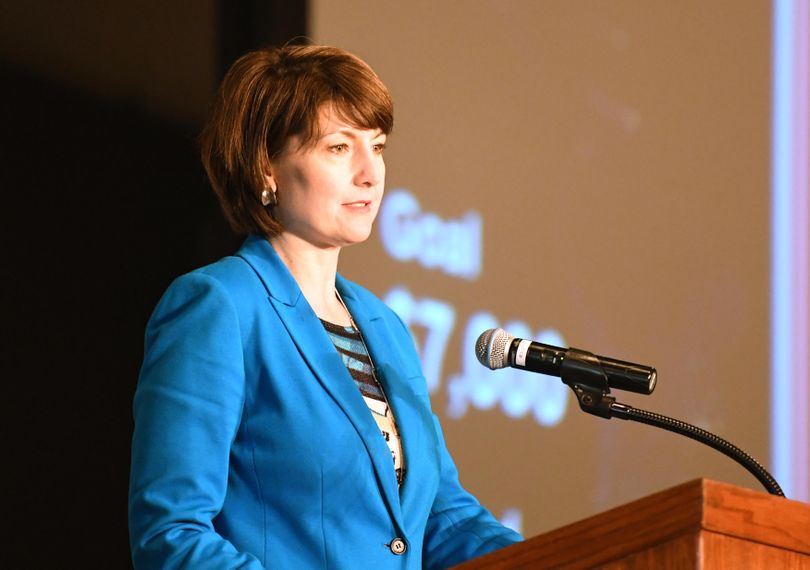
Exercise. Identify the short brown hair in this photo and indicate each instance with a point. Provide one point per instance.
(267, 97)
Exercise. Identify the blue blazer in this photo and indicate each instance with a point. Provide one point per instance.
(253, 447)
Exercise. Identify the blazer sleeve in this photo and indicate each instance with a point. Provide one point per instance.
(459, 528)
(187, 410)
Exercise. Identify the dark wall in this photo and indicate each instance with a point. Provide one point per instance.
(105, 204)
(112, 205)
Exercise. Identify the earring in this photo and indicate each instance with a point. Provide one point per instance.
(269, 197)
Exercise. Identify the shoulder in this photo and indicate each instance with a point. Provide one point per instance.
(231, 272)
(227, 288)
(230, 276)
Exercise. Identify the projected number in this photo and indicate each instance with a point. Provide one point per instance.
(437, 318)
(518, 392)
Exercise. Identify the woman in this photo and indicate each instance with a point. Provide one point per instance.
(281, 416)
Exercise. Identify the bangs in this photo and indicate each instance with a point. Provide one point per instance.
(364, 114)
(350, 89)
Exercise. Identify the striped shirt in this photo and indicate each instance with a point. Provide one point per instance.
(352, 350)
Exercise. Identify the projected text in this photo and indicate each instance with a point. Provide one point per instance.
(452, 246)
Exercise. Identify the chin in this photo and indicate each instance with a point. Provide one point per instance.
(356, 237)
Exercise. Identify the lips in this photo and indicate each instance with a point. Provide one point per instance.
(358, 203)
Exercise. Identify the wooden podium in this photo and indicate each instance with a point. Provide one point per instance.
(701, 524)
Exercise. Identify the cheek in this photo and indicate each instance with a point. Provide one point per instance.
(296, 178)
(376, 207)
(296, 188)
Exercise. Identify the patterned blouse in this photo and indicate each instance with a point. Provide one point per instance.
(349, 344)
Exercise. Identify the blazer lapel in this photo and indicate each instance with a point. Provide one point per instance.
(319, 353)
(413, 417)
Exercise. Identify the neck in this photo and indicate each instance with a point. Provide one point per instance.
(314, 269)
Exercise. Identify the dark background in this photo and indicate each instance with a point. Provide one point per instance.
(105, 203)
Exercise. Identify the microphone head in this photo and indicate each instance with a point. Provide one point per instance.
(492, 348)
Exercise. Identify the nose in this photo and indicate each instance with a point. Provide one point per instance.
(370, 168)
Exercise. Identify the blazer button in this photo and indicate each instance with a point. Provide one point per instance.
(398, 546)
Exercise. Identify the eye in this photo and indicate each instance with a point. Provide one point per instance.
(379, 147)
(339, 148)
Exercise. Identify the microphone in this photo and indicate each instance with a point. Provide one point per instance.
(496, 348)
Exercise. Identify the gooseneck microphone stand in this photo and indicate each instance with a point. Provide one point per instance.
(590, 384)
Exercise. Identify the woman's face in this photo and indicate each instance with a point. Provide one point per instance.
(329, 191)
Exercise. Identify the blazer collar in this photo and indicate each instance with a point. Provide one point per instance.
(272, 272)
(316, 349)
(282, 287)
